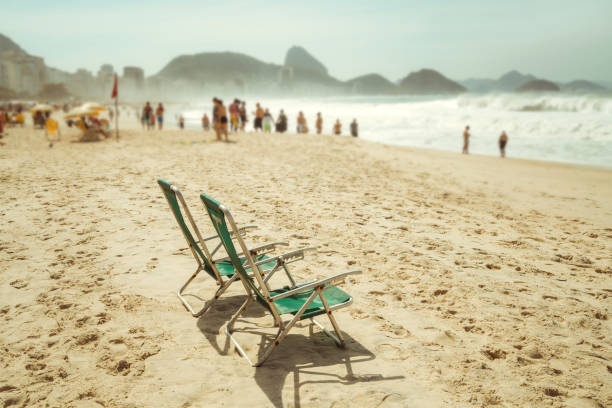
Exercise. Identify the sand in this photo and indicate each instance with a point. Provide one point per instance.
(486, 281)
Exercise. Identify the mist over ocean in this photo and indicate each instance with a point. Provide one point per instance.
(554, 127)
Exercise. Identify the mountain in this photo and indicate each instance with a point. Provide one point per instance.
(371, 84)
(429, 82)
(508, 82)
(539, 85)
(581, 85)
(215, 67)
(298, 57)
(513, 80)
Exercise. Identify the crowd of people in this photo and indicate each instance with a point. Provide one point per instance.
(263, 120)
(502, 141)
(234, 118)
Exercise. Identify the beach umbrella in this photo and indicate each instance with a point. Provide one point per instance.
(93, 106)
(41, 107)
(79, 112)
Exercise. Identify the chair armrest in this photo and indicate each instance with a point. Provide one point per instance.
(287, 257)
(242, 231)
(266, 248)
(307, 286)
(263, 249)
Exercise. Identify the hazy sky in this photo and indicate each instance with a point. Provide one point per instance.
(560, 40)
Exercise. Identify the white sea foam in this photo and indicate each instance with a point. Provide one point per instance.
(564, 128)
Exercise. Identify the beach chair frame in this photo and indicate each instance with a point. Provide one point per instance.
(204, 256)
(200, 251)
(259, 290)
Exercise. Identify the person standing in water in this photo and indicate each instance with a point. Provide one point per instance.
(503, 140)
(337, 127)
(466, 139)
(354, 128)
(319, 123)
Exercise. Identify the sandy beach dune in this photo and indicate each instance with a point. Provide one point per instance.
(485, 281)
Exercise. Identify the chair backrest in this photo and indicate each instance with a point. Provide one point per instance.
(171, 195)
(218, 215)
(51, 127)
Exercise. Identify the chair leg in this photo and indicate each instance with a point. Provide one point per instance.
(338, 337)
(280, 335)
(209, 303)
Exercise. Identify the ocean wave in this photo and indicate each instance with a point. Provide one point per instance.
(539, 103)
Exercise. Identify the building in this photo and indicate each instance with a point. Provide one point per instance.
(23, 73)
(133, 77)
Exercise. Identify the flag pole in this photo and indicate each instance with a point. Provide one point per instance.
(117, 117)
(115, 95)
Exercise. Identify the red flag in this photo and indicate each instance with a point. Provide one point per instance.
(114, 94)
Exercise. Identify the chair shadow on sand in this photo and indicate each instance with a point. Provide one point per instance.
(297, 354)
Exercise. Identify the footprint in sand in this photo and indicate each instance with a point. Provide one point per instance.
(18, 284)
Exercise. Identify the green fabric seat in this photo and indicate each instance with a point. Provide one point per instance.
(291, 304)
(226, 268)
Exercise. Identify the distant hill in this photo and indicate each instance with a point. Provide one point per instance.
(209, 67)
(429, 82)
(299, 58)
(513, 80)
(371, 84)
(581, 85)
(508, 82)
(539, 85)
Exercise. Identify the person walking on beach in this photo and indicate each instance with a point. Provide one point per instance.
(503, 140)
(243, 115)
(354, 128)
(205, 123)
(234, 111)
(215, 117)
(181, 122)
(337, 127)
(302, 126)
(147, 113)
(267, 121)
(319, 123)
(159, 112)
(222, 112)
(259, 114)
(466, 139)
(281, 123)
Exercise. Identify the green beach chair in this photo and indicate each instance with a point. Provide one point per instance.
(304, 301)
(222, 269)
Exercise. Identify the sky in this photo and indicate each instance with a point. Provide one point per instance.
(560, 40)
